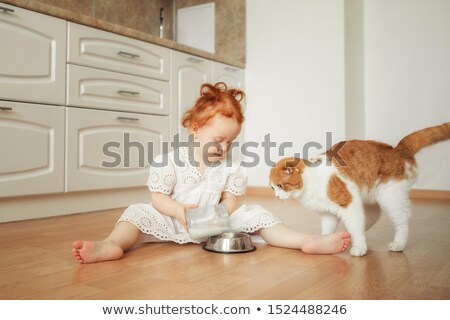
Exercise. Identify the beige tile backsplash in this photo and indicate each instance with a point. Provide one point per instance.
(143, 16)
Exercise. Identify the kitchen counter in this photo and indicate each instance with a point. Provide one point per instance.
(107, 26)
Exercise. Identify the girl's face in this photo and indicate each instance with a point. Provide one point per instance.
(215, 137)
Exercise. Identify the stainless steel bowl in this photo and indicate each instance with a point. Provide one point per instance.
(230, 242)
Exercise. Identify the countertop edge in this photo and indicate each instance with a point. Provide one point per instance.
(117, 29)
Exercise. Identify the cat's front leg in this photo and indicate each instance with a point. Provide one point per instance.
(353, 219)
(328, 223)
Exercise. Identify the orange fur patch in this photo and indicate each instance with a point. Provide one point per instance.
(288, 174)
(365, 162)
(369, 162)
(338, 192)
(415, 141)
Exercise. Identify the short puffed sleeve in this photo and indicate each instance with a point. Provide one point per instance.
(162, 177)
(236, 180)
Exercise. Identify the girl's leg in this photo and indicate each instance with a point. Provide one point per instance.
(123, 237)
(282, 236)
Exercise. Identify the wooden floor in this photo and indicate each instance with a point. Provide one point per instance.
(36, 263)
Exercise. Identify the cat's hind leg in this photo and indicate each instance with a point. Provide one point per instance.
(328, 223)
(393, 198)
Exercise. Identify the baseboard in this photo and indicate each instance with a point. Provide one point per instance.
(43, 206)
(430, 194)
(414, 194)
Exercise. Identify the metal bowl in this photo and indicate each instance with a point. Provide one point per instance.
(230, 242)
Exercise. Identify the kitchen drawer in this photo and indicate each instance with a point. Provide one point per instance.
(104, 50)
(32, 149)
(107, 149)
(32, 56)
(94, 88)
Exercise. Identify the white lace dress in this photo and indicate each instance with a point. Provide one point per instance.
(174, 174)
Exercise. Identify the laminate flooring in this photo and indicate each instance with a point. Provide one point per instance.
(36, 262)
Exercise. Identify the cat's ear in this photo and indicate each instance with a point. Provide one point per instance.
(290, 170)
(292, 165)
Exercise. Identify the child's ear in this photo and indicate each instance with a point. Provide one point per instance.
(194, 128)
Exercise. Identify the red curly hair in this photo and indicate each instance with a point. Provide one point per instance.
(215, 99)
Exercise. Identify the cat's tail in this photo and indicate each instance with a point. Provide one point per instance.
(415, 141)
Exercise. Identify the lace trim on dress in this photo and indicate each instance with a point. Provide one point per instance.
(150, 225)
(265, 220)
(236, 185)
(162, 182)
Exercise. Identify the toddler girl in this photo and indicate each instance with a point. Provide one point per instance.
(202, 175)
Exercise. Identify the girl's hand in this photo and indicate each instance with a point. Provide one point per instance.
(180, 214)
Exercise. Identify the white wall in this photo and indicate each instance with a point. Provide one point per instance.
(298, 75)
(354, 70)
(407, 77)
(294, 75)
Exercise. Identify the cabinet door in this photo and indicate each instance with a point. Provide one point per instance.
(107, 149)
(93, 88)
(188, 74)
(232, 76)
(104, 50)
(32, 149)
(32, 56)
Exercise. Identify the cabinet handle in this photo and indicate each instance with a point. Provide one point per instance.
(194, 60)
(5, 109)
(231, 69)
(128, 55)
(6, 10)
(131, 93)
(127, 119)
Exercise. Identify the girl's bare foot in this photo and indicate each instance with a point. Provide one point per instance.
(328, 244)
(95, 251)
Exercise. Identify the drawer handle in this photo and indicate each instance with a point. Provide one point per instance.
(5, 108)
(6, 10)
(127, 119)
(194, 60)
(128, 55)
(231, 69)
(131, 93)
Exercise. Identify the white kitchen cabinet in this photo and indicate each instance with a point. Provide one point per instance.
(94, 88)
(111, 149)
(234, 77)
(105, 50)
(83, 109)
(32, 56)
(188, 74)
(31, 149)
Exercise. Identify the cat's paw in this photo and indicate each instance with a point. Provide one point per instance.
(358, 251)
(393, 246)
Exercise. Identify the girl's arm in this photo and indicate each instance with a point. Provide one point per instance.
(230, 201)
(166, 205)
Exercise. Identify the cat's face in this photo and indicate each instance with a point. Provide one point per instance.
(286, 177)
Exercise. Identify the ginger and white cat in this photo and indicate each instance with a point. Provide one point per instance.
(358, 171)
